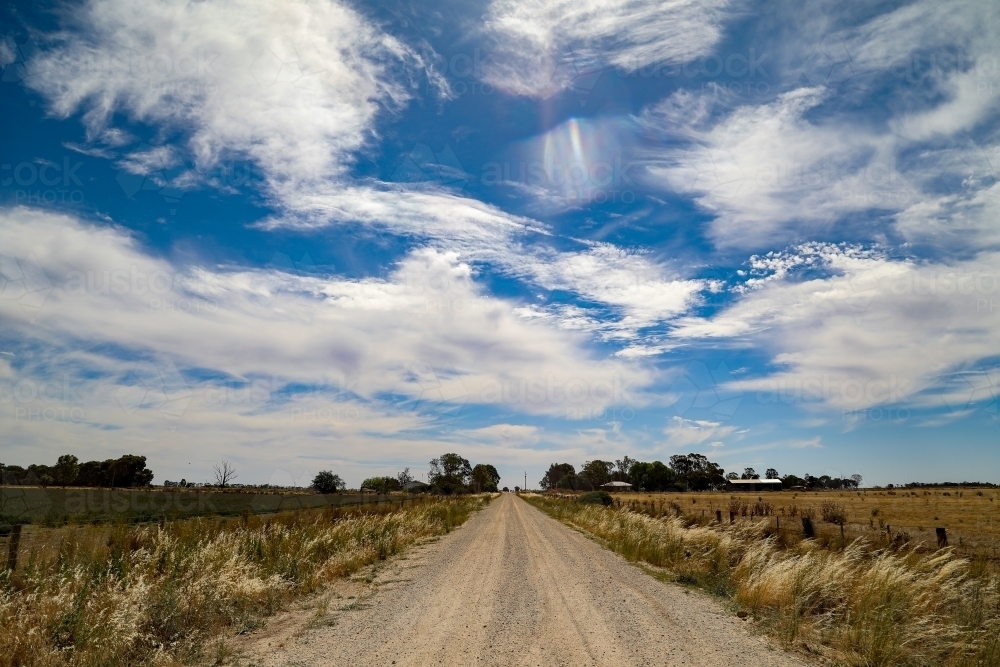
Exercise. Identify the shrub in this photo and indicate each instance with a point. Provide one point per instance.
(596, 498)
(833, 513)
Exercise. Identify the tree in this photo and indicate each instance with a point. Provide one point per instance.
(129, 471)
(653, 476)
(225, 473)
(697, 472)
(570, 482)
(623, 469)
(67, 469)
(788, 481)
(404, 477)
(857, 479)
(381, 484)
(326, 482)
(772, 474)
(750, 473)
(485, 477)
(597, 472)
(732, 475)
(555, 473)
(450, 473)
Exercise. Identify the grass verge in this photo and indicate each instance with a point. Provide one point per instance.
(868, 607)
(125, 594)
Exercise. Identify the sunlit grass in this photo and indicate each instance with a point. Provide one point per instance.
(125, 594)
(867, 606)
(971, 516)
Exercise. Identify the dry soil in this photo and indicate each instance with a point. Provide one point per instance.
(513, 587)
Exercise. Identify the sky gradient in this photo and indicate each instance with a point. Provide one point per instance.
(328, 235)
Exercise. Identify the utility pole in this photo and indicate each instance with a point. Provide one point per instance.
(525, 487)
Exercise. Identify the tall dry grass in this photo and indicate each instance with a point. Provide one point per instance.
(125, 595)
(865, 606)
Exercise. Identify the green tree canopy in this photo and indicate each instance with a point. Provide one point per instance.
(555, 473)
(326, 482)
(382, 484)
(450, 473)
(597, 472)
(697, 472)
(653, 476)
(67, 469)
(485, 477)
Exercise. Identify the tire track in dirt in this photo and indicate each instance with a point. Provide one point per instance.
(515, 587)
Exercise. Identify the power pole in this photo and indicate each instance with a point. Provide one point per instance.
(525, 487)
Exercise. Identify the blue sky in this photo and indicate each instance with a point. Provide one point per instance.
(330, 235)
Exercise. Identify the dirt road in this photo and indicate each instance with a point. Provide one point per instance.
(515, 587)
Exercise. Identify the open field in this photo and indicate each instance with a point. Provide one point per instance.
(868, 603)
(971, 516)
(125, 594)
(55, 505)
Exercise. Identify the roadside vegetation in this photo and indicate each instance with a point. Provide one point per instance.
(861, 603)
(158, 594)
(904, 516)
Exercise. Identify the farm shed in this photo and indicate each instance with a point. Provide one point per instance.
(617, 486)
(753, 485)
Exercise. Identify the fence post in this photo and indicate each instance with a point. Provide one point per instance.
(942, 537)
(13, 546)
(163, 522)
(718, 516)
(732, 517)
(807, 528)
(777, 524)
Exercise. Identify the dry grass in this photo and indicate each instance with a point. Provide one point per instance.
(122, 595)
(971, 516)
(862, 605)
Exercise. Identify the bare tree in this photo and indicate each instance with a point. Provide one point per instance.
(225, 473)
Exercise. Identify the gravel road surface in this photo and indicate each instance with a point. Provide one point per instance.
(515, 587)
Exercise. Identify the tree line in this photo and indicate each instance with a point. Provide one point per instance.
(449, 474)
(124, 472)
(684, 472)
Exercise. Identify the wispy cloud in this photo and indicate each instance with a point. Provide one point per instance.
(541, 47)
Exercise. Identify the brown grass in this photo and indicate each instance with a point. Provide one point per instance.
(971, 520)
(126, 594)
(863, 604)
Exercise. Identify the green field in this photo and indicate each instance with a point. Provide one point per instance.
(54, 506)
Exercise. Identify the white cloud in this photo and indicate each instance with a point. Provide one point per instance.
(874, 332)
(684, 433)
(426, 330)
(814, 443)
(541, 47)
(768, 175)
(628, 281)
(295, 88)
